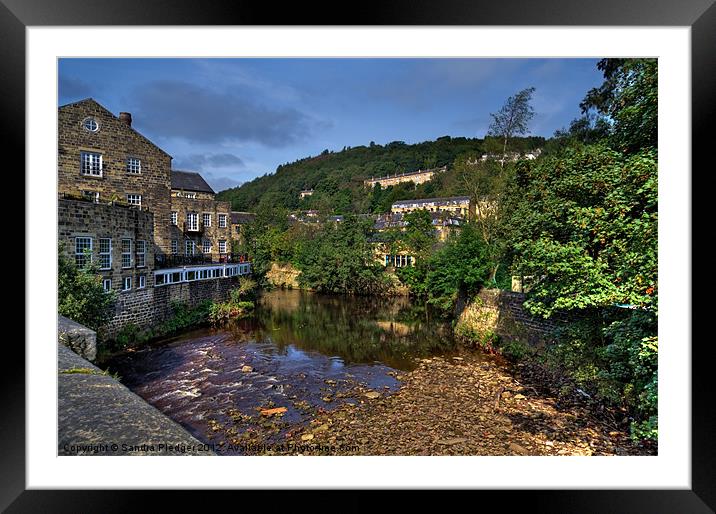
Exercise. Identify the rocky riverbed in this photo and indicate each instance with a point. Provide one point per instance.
(463, 405)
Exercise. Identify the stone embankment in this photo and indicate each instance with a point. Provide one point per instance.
(97, 415)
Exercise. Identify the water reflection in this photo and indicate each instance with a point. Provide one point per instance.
(392, 331)
(299, 350)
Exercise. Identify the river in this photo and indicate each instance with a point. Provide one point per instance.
(299, 350)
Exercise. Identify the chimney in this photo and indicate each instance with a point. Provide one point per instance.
(126, 117)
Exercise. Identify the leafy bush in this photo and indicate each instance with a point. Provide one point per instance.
(514, 349)
(226, 311)
(461, 266)
(81, 296)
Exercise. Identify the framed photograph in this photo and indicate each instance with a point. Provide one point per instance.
(419, 250)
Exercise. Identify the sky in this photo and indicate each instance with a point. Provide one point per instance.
(235, 119)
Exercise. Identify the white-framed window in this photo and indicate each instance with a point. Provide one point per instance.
(90, 124)
(126, 253)
(222, 220)
(134, 165)
(91, 164)
(133, 199)
(107, 284)
(175, 247)
(105, 253)
(206, 246)
(206, 218)
(83, 251)
(142, 282)
(141, 257)
(126, 283)
(175, 218)
(222, 245)
(192, 221)
(92, 196)
(190, 247)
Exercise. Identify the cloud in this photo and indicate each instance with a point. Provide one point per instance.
(201, 161)
(178, 109)
(221, 183)
(70, 88)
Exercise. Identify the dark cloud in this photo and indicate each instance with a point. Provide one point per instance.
(179, 109)
(70, 89)
(200, 161)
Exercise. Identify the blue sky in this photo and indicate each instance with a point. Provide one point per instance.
(235, 119)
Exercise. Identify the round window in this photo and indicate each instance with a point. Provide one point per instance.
(90, 124)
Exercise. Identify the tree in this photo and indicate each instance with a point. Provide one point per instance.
(512, 119)
(462, 265)
(81, 296)
(629, 98)
(340, 259)
(419, 235)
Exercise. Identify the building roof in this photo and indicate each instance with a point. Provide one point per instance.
(190, 181)
(94, 103)
(449, 199)
(239, 218)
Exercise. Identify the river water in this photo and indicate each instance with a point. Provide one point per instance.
(299, 350)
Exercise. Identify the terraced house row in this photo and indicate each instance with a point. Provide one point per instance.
(158, 235)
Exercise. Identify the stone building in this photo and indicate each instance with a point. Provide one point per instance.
(200, 225)
(306, 192)
(458, 205)
(102, 158)
(239, 220)
(119, 238)
(121, 206)
(417, 177)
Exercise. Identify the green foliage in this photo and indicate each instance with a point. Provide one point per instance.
(226, 311)
(419, 234)
(238, 304)
(484, 339)
(462, 265)
(514, 116)
(81, 296)
(614, 354)
(629, 97)
(583, 220)
(337, 177)
(514, 350)
(339, 259)
(586, 221)
(183, 317)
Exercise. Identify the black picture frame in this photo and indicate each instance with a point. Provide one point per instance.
(700, 15)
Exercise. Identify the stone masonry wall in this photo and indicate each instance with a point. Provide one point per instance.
(116, 141)
(502, 313)
(154, 305)
(77, 218)
(182, 206)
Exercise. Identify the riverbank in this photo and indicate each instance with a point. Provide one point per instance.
(466, 406)
(97, 415)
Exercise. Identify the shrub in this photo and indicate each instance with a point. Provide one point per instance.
(81, 296)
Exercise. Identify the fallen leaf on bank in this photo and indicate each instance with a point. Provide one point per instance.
(271, 412)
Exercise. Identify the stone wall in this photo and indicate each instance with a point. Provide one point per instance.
(283, 276)
(213, 233)
(78, 218)
(116, 141)
(78, 338)
(502, 313)
(154, 305)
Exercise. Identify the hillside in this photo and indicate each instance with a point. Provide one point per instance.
(337, 177)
